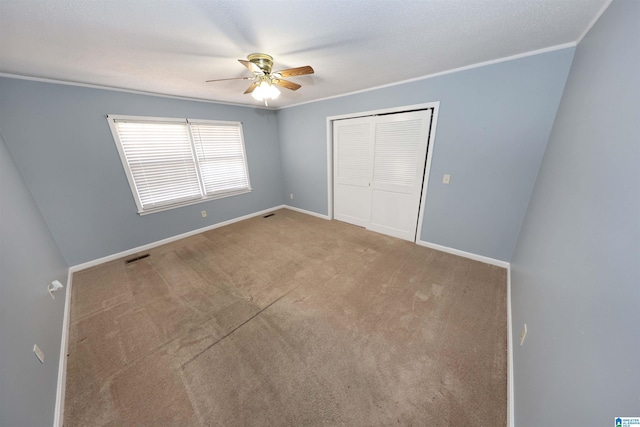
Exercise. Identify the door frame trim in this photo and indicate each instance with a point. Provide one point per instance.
(431, 143)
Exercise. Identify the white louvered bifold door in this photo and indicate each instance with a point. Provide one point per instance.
(379, 169)
(353, 154)
(400, 153)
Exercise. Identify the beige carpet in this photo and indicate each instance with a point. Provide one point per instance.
(289, 320)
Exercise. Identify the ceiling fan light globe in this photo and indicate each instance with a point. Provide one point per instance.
(261, 91)
(273, 92)
(265, 90)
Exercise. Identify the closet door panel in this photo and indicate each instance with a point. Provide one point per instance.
(400, 149)
(352, 170)
(389, 217)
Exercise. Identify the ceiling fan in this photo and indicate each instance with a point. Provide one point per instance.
(264, 80)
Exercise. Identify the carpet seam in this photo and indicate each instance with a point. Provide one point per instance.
(236, 328)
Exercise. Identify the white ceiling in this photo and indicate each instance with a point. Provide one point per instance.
(172, 46)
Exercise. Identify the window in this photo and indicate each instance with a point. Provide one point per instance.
(177, 162)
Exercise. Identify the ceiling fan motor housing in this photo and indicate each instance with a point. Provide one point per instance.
(260, 64)
(262, 60)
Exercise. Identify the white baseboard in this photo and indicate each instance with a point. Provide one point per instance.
(169, 240)
(64, 348)
(306, 212)
(475, 257)
(510, 391)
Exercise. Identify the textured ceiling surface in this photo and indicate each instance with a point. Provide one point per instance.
(172, 46)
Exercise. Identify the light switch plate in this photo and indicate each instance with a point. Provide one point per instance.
(39, 354)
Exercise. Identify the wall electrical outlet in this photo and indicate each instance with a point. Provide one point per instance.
(446, 178)
(291, 196)
(39, 354)
(204, 214)
(523, 334)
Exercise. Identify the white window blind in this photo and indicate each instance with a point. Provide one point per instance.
(174, 162)
(221, 157)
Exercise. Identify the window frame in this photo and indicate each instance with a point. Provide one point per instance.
(204, 197)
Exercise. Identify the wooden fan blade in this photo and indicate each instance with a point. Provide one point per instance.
(251, 88)
(287, 84)
(251, 66)
(299, 71)
(233, 78)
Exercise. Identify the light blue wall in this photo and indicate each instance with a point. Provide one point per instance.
(493, 127)
(29, 261)
(62, 144)
(492, 130)
(576, 268)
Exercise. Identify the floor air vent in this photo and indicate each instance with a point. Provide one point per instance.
(267, 216)
(130, 260)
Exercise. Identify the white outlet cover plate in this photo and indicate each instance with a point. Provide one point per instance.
(446, 178)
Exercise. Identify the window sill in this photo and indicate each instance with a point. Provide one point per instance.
(194, 202)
